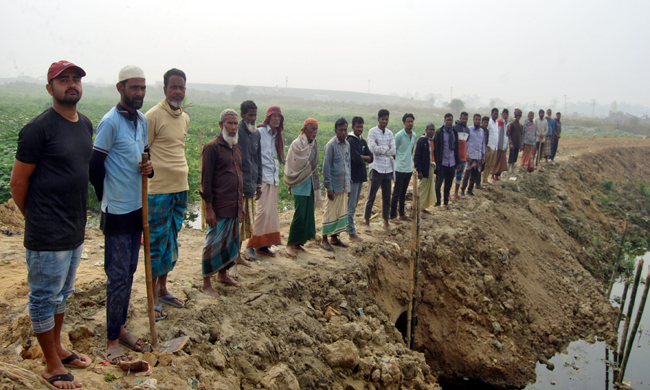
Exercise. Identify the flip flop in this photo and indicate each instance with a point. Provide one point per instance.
(114, 354)
(327, 246)
(161, 316)
(130, 341)
(169, 300)
(340, 243)
(405, 218)
(67, 362)
(58, 378)
(266, 252)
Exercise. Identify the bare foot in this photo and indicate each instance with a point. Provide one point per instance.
(290, 252)
(300, 248)
(240, 260)
(225, 279)
(233, 272)
(208, 290)
(355, 238)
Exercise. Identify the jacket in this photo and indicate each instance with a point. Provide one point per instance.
(463, 136)
(438, 145)
(358, 148)
(422, 157)
(251, 153)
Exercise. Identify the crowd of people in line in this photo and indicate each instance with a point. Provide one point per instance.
(56, 159)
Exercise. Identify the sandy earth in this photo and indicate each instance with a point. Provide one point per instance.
(502, 286)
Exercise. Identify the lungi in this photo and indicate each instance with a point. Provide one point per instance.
(500, 162)
(335, 219)
(246, 227)
(527, 154)
(303, 225)
(426, 190)
(546, 147)
(221, 246)
(165, 220)
(490, 157)
(267, 221)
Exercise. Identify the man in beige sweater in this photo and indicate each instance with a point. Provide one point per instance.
(168, 189)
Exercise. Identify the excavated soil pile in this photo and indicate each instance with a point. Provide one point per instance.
(507, 279)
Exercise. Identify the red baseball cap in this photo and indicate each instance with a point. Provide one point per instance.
(57, 67)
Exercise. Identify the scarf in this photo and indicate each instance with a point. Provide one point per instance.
(279, 141)
(302, 163)
(452, 140)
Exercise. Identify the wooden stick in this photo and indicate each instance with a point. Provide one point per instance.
(620, 311)
(202, 211)
(635, 328)
(147, 254)
(416, 271)
(415, 249)
(618, 259)
(630, 310)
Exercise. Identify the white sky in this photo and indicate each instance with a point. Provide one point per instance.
(519, 51)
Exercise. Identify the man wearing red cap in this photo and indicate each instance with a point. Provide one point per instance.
(266, 231)
(49, 184)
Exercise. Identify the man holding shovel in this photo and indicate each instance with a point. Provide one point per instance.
(116, 173)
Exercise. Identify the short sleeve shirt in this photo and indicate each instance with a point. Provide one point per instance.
(58, 188)
(118, 137)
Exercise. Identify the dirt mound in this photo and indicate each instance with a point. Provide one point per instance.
(11, 219)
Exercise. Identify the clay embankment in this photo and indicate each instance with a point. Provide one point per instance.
(503, 285)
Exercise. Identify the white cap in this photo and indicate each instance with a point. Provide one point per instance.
(130, 72)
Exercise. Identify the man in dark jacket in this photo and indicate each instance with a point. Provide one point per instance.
(447, 158)
(424, 163)
(360, 155)
(251, 153)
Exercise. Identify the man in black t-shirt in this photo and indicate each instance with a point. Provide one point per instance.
(49, 184)
(360, 155)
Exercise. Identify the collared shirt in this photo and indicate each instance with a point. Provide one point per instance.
(542, 128)
(222, 180)
(123, 143)
(270, 164)
(404, 146)
(502, 143)
(382, 146)
(551, 126)
(493, 129)
(558, 127)
(476, 143)
(336, 166)
(448, 157)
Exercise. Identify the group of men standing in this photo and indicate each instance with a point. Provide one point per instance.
(56, 158)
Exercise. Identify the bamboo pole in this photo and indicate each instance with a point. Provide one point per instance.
(147, 254)
(630, 310)
(620, 311)
(416, 271)
(635, 328)
(618, 259)
(415, 252)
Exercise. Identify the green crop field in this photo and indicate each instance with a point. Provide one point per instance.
(20, 102)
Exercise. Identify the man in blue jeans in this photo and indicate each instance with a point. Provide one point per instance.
(116, 173)
(49, 184)
(360, 155)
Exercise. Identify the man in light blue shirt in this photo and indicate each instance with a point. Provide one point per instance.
(404, 144)
(116, 171)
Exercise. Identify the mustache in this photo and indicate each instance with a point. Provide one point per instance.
(72, 89)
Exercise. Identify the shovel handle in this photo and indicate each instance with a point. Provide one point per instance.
(147, 254)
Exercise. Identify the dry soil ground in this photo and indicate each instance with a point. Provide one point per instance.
(502, 286)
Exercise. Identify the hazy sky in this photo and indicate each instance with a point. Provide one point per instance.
(519, 51)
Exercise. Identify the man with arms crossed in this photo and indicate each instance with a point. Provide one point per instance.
(359, 156)
(49, 184)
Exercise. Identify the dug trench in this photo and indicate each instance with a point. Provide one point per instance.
(508, 278)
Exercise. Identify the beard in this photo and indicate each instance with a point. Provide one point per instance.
(231, 140)
(70, 99)
(174, 104)
(135, 103)
(251, 126)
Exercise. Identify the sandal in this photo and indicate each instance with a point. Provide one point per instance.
(405, 218)
(340, 243)
(67, 362)
(171, 300)
(326, 245)
(159, 313)
(396, 221)
(266, 252)
(114, 354)
(59, 378)
(130, 341)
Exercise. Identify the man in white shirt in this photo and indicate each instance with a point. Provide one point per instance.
(381, 143)
(491, 149)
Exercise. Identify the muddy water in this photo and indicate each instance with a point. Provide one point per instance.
(584, 365)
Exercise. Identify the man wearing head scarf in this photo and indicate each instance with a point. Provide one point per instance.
(116, 173)
(222, 189)
(266, 231)
(336, 179)
(515, 133)
(301, 177)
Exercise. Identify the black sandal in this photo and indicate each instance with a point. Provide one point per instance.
(340, 243)
(59, 378)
